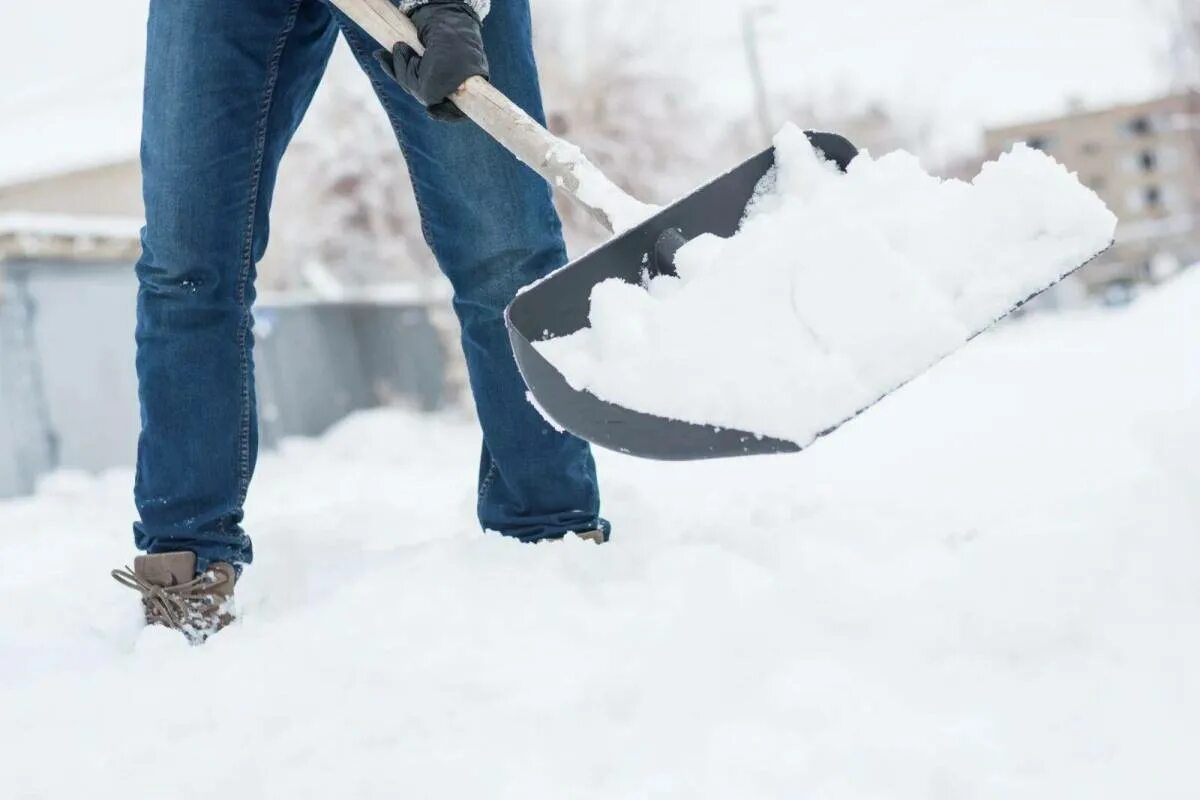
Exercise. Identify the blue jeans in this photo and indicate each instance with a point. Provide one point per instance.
(227, 83)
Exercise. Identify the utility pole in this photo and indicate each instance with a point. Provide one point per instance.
(762, 106)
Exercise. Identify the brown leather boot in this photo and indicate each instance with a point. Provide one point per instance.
(174, 596)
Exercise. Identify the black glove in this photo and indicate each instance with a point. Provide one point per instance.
(449, 29)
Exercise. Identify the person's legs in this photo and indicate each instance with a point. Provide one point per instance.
(493, 228)
(226, 85)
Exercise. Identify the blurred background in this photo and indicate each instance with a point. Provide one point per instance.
(353, 312)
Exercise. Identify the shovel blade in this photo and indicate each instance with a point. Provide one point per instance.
(560, 304)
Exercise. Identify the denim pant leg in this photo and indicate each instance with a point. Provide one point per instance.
(493, 228)
(226, 86)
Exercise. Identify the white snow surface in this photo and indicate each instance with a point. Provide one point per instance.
(837, 289)
(986, 589)
(597, 191)
(79, 225)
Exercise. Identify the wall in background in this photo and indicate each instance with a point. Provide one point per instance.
(68, 395)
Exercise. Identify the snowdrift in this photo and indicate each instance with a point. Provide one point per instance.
(987, 588)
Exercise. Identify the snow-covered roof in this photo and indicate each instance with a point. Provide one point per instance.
(61, 236)
(82, 226)
(71, 94)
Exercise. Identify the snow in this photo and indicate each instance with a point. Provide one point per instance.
(78, 225)
(837, 289)
(52, 238)
(986, 588)
(595, 190)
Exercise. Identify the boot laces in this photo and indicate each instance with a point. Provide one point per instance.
(173, 604)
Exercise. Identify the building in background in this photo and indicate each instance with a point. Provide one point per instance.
(66, 394)
(1144, 160)
(109, 188)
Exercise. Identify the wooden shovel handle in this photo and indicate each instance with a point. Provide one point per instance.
(556, 160)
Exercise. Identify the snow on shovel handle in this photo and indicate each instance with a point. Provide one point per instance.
(561, 163)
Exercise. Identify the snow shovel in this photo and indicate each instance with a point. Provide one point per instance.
(646, 239)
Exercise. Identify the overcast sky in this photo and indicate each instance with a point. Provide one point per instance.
(964, 63)
(70, 94)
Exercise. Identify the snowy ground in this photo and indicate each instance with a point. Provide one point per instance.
(986, 588)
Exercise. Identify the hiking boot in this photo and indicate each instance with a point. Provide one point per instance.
(596, 536)
(174, 596)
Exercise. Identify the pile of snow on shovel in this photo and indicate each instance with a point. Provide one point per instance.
(838, 288)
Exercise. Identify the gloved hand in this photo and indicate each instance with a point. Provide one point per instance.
(449, 29)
